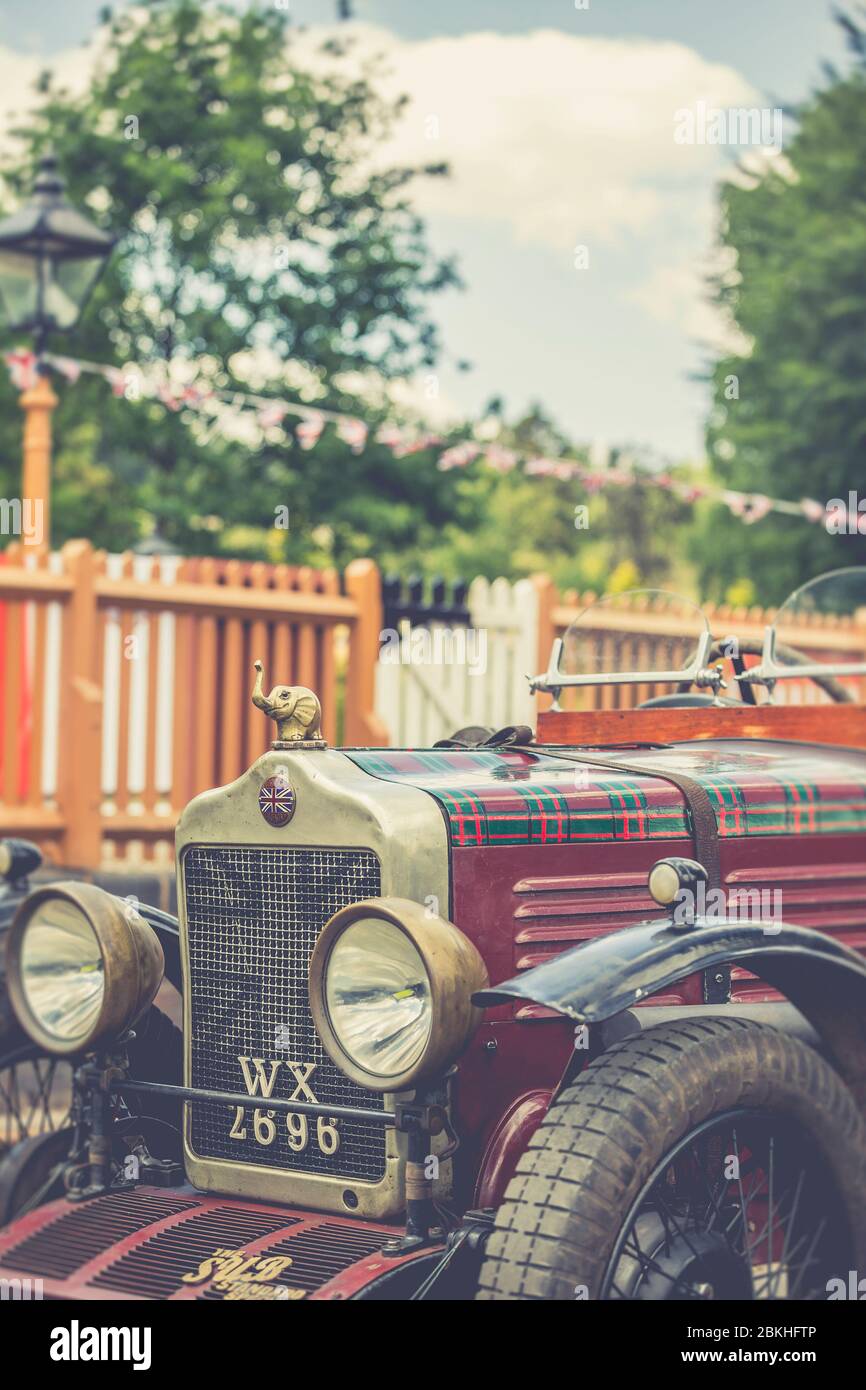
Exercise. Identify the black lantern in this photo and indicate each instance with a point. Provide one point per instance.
(51, 257)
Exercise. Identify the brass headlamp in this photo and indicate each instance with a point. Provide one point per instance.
(391, 989)
(82, 966)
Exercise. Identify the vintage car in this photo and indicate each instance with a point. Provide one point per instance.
(572, 1015)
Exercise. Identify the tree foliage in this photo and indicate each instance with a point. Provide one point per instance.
(790, 414)
(261, 238)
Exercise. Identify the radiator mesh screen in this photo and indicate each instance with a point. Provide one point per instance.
(253, 918)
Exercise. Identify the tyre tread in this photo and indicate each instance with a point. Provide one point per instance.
(564, 1205)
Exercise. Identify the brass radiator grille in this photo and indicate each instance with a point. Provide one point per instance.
(253, 916)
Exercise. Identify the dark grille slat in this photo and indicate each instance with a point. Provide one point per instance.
(253, 918)
(80, 1235)
(155, 1267)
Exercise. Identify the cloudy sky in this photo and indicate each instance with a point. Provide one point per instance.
(582, 227)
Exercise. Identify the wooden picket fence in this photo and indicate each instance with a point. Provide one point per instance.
(644, 636)
(126, 681)
(419, 704)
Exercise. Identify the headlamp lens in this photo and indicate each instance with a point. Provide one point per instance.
(62, 971)
(377, 994)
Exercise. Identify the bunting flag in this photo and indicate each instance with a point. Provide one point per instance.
(22, 368)
(502, 460)
(307, 431)
(116, 380)
(389, 435)
(271, 415)
(749, 508)
(458, 456)
(352, 432)
(594, 475)
(68, 367)
(165, 394)
(812, 510)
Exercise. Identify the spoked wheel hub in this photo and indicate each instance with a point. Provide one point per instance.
(743, 1207)
(700, 1265)
(35, 1094)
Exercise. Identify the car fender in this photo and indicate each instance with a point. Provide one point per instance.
(167, 928)
(596, 981)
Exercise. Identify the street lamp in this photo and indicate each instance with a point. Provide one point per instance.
(51, 256)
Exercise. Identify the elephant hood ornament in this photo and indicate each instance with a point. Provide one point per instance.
(295, 710)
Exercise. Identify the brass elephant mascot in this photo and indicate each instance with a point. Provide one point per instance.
(294, 708)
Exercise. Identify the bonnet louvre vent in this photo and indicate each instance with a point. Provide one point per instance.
(78, 1236)
(154, 1269)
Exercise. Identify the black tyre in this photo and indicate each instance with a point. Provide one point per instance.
(32, 1173)
(712, 1159)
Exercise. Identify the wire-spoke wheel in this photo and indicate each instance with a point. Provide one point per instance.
(35, 1094)
(36, 1087)
(718, 1159)
(742, 1208)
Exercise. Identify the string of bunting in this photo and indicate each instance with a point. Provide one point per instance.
(594, 476)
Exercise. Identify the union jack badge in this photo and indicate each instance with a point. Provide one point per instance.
(277, 801)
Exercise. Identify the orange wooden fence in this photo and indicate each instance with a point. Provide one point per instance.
(125, 681)
(126, 685)
(643, 637)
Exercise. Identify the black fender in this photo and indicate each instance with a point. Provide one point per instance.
(594, 982)
(167, 929)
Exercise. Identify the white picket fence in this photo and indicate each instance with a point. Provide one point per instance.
(420, 701)
(46, 665)
(449, 681)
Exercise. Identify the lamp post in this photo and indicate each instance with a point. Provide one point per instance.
(51, 256)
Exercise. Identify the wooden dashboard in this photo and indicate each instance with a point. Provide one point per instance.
(838, 725)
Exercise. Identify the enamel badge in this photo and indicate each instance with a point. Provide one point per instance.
(277, 801)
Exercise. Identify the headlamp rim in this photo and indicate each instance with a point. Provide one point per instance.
(449, 959)
(132, 961)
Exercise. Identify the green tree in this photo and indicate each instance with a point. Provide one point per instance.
(789, 417)
(260, 238)
(528, 524)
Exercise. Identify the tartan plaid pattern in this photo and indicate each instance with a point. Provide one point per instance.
(493, 797)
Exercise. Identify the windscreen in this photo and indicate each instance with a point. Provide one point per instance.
(823, 622)
(641, 631)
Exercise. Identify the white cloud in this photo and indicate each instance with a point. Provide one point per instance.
(557, 136)
(552, 139)
(679, 294)
(19, 73)
(559, 140)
